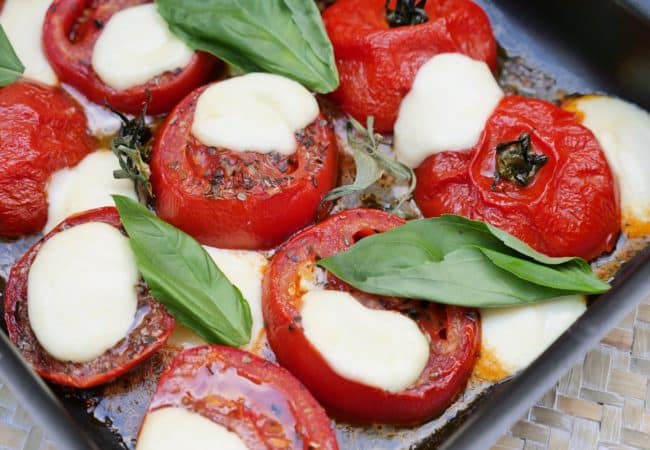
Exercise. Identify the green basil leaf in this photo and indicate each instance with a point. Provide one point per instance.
(454, 260)
(285, 37)
(10, 66)
(184, 278)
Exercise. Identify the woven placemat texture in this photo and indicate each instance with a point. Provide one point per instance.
(603, 403)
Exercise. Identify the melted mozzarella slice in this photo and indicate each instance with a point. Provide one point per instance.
(451, 99)
(175, 428)
(82, 295)
(22, 20)
(245, 269)
(379, 348)
(258, 112)
(623, 131)
(512, 338)
(88, 185)
(135, 46)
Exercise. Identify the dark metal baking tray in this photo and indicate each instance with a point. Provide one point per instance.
(554, 47)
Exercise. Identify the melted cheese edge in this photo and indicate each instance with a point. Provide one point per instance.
(451, 100)
(258, 112)
(135, 46)
(379, 348)
(82, 296)
(174, 428)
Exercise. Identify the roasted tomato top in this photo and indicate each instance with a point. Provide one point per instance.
(239, 199)
(453, 333)
(377, 63)
(70, 30)
(568, 207)
(151, 328)
(259, 401)
(42, 130)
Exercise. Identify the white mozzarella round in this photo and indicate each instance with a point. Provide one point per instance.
(81, 291)
(451, 100)
(245, 269)
(379, 348)
(623, 131)
(174, 428)
(22, 20)
(88, 185)
(513, 337)
(136, 46)
(258, 112)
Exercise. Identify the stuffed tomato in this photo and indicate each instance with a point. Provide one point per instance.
(244, 162)
(365, 358)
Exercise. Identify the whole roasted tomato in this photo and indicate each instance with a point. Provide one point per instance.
(42, 130)
(152, 326)
(379, 48)
(453, 333)
(70, 30)
(536, 173)
(251, 397)
(233, 199)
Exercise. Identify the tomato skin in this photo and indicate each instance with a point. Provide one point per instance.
(282, 197)
(569, 209)
(145, 338)
(72, 60)
(377, 64)
(217, 382)
(451, 360)
(42, 130)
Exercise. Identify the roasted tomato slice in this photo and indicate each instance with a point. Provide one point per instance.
(453, 333)
(149, 332)
(243, 200)
(42, 130)
(567, 207)
(70, 30)
(252, 397)
(377, 64)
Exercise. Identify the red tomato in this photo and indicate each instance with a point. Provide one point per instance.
(70, 31)
(569, 209)
(42, 130)
(377, 64)
(454, 333)
(239, 199)
(150, 331)
(252, 397)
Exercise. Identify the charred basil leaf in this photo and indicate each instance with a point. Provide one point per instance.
(286, 37)
(454, 260)
(184, 278)
(10, 66)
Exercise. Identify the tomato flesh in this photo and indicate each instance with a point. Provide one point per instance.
(569, 209)
(70, 30)
(153, 325)
(377, 64)
(233, 199)
(454, 333)
(259, 401)
(42, 130)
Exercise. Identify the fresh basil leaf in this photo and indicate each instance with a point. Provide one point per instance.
(184, 278)
(10, 66)
(454, 260)
(367, 172)
(285, 37)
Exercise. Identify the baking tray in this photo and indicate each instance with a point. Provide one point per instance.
(551, 48)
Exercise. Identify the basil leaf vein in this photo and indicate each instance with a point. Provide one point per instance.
(10, 66)
(183, 277)
(454, 260)
(285, 37)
